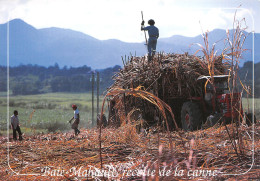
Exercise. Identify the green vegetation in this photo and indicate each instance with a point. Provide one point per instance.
(34, 79)
(50, 112)
(53, 107)
(248, 104)
(246, 76)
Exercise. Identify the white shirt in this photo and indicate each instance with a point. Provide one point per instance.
(76, 114)
(14, 121)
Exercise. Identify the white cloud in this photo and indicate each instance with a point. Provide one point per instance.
(6, 7)
(120, 19)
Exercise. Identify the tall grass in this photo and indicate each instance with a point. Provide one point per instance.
(119, 94)
(50, 111)
(231, 56)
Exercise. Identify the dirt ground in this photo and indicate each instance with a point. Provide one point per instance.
(200, 155)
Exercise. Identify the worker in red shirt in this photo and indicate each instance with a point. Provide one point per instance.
(76, 119)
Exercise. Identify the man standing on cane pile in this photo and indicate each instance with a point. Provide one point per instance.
(153, 33)
(75, 124)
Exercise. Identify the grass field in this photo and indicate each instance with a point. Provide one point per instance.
(52, 111)
(49, 111)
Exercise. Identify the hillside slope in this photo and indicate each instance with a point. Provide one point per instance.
(29, 45)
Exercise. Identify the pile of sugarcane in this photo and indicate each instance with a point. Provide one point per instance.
(177, 73)
(166, 76)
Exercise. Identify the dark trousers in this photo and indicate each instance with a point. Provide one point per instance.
(19, 132)
(76, 131)
(75, 126)
(152, 46)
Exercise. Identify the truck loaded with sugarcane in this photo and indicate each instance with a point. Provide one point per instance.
(180, 90)
(197, 92)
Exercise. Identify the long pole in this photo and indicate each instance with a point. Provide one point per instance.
(144, 31)
(98, 81)
(93, 79)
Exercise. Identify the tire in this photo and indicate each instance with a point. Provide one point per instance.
(191, 116)
(249, 118)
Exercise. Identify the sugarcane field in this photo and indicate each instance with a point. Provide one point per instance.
(159, 114)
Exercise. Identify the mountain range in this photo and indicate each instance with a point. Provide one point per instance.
(66, 47)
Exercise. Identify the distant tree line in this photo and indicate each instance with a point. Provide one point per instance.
(246, 77)
(35, 79)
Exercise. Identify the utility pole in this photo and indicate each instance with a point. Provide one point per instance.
(98, 81)
(93, 80)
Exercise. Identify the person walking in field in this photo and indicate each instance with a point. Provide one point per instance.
(15, 124)
(76, 119)
(153, 33)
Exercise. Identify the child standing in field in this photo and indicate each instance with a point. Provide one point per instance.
(76, 119)
(16, 126)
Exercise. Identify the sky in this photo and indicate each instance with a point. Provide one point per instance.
(121, 19)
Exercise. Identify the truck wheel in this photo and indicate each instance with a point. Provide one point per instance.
(249, 118)
(191, 116)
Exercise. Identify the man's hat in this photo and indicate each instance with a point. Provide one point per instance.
(74, 106)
